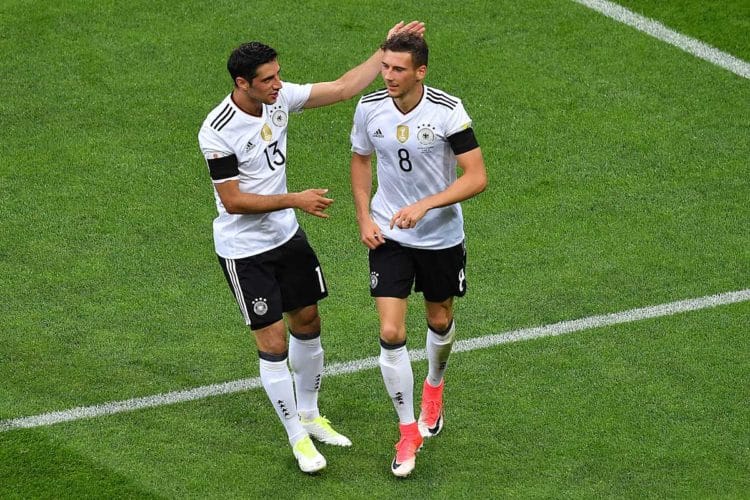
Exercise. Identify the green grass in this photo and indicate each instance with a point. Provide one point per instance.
(618, 171)
(647, 409)
(701, 19)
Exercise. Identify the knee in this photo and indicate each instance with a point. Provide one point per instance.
(272, 339)
(392, 333)
(440, 323)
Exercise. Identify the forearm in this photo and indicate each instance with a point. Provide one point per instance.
(361, 176)
(468, 185)
(348, 85)
(463, 189)
(250, 203)
(357, 79)
(471, 183)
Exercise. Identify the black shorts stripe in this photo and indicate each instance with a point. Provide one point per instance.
(234, 280)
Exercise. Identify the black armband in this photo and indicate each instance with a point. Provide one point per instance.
(222, 168)
(464, 141)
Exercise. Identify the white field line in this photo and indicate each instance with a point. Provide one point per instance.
(661, 32)
(366, 363)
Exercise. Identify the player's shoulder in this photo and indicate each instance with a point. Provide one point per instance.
(294, 95)
(290, 90)
(220, 116)
(374, 98)
(441, 98)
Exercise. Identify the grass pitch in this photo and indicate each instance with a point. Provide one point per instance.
(618, 179)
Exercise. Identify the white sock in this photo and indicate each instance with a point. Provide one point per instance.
(438, 350)
(277, 381)
(399, 381)
(306, 361)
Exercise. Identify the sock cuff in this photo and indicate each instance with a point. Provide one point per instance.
(305, 336)
(391, 347)
(273, 358)
(442, 333)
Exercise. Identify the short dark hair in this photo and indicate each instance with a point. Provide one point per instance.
(245, 59)
(411, 43)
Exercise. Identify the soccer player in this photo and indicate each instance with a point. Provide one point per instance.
(414, 226)
(268, 263)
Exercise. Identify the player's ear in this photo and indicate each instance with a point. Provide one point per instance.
(242, 83)
(421, 72)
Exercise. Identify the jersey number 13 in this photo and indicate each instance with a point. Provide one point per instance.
(275, 157)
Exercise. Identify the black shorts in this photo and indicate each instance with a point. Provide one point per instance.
(438, 274)
(277, 281)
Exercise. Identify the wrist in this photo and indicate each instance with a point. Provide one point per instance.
(292, 200)
(362, 218)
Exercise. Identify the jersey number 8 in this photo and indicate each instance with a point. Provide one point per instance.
(403, 160)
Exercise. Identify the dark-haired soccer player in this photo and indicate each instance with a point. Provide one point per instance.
(271, 269)
(414, 226)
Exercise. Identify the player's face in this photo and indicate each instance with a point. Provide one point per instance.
(399, 74)
(266, 84)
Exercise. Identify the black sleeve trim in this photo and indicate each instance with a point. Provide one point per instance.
(223, 168)
(464, 141)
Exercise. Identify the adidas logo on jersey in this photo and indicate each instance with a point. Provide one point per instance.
(378, 134)
(249, 146)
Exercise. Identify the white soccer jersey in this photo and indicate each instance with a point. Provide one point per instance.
(414, 160)
(259, 143)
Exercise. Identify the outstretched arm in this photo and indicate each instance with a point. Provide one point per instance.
(312, 201)
(356, 79)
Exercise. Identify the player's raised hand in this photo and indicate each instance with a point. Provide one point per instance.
(416, 27)
(313, 202)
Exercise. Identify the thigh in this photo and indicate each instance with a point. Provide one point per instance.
(391, 271)
(441, 274)
(299, 273)
(255, 288)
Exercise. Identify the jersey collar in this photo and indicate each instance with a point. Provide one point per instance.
(419, 103)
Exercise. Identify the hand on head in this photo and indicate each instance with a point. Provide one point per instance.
(416, 27)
